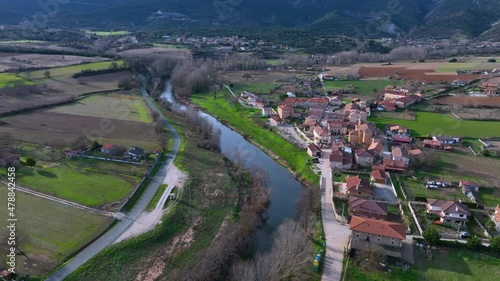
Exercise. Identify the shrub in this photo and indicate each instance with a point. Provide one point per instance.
(495, 243)
(30, 162)
(492, 60)
(474, 243)
(432, 216)
(432, 236)
(453, 60)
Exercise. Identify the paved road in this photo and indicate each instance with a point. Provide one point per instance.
(234, 95)
(109, 237)
(337, 234)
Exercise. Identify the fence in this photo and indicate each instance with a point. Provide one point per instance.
(302, 134)
(110, 159)
(482, 227)
(415, 218)
(140, 183)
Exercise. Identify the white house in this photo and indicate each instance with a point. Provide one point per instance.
(450, 212)
(459, 83)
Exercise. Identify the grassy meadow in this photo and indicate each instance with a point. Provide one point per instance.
(66, 72)
(49, 231)
(428, 123)
(13, 80)
(112, 106)
(361, 86)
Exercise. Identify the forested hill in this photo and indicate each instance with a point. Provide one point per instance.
(421, 18)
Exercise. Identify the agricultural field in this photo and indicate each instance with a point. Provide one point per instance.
(13, 80)
(63, 180)
(256, 88)
(361, 86)
(428, 123)
(49, 231)
(112, 106)
(468, 101)
(451, 264)
(174, 52)
(107, 33)
(66, 72)
(454, 167)
(469, 64)
(16, 60)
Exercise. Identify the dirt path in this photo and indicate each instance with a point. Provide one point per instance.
(148, 220)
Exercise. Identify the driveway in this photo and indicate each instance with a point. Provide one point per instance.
(289, 133)
(336, 233)
(384, 192)
(109, 237)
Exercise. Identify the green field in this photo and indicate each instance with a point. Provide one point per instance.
(65, 72)
(107, 33)
(112, 106)
(11, 80)
(256, 88)
(361, 86)
(49, 231)
(428, 123)
(454, 66)
(242, 119)
(75, 184)
(448, 264)
(23, 42)
(128, 259)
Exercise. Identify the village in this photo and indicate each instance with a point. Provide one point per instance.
(364, 163)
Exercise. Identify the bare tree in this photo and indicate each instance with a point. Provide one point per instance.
(47, 74)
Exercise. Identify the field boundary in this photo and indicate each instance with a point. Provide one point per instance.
(63, 102)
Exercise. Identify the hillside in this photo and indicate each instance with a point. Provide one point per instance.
(416, 18)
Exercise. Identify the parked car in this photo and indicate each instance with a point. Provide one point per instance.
(465, 235)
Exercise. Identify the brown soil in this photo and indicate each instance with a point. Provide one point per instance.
(56, 91)
(424, 75)
(467, 101)
(45, 127)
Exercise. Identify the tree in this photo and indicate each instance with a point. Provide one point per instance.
(474, 243)
(490, 225)
(47, 74)
(495, 243)
(96, 145)
(492, 60)
(30, 162)
(81, 142)
(453, 60)
(113, 65)
(432, 236)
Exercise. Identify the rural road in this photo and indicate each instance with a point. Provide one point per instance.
(109, 237)
(336, 233)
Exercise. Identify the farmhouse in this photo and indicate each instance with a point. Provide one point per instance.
(469, 185)
(363, 157)
(341, 159)
(392, 130)
(460, 83)
(450, 212)
(313, 150)
(8, 159)
(393, 94)
(447, 140)
(400, 154)
(394, 165)
(496, 218)
(376, 148)
(357, 186)
(378, 176)
(367, 208)
(321, 136)
(387, 105)
(275, 120)
(406, 101)
(285, 111)
(135, 153)
(388, 236)
(401, 139)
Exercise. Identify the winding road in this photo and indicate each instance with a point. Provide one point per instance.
(114, 233)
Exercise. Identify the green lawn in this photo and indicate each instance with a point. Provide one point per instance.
(428, 123)
(11, 80)
(489, 196)
(448, 264)
(68, 71)
(49, 231)
(417, 188)
(454, 66)
(243, 120)
(106, 33)
(77, 185)
(256, 88)
(361, 86)
(22, 42)
(112, 106)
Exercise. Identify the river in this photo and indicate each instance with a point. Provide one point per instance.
(285, 189)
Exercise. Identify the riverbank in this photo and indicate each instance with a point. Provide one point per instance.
(173, 247)
(243, 120)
